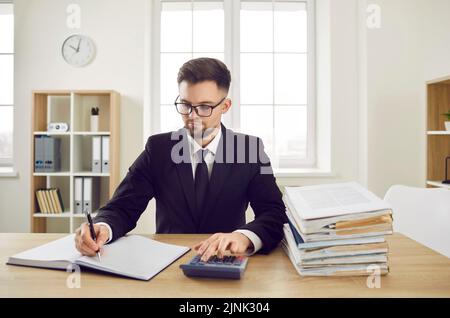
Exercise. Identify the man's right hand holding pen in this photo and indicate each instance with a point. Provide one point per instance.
(84, 242)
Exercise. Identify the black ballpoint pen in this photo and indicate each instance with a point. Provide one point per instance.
(91, 228)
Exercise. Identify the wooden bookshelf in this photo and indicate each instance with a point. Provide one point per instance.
(73, 107)
(438, 139)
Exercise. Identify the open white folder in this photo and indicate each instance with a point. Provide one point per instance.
(132, 256)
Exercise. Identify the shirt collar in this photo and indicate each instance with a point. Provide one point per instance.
(211, 147)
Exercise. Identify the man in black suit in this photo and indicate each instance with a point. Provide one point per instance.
(202, 176)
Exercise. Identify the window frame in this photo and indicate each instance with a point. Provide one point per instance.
(232, 59)
(9, 162)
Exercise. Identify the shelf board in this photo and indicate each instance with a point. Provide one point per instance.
(52, 215)
(92, 133)
(438, 184)
(90, 174)
(52, 174)
(83, 215)
(438, 132)
(66, 214)
(52, 133)
(76, 133)
(68, 174)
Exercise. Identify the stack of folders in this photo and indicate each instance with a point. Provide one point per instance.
(100, 154)
(50, 201)
(336, 230)
(86, 194)
(47, 154)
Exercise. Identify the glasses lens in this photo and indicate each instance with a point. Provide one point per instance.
(204, 110)
(184, 109)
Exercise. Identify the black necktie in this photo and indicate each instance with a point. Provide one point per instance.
(201, 180)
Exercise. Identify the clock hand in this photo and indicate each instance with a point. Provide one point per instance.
(78, 47)
(73, 48)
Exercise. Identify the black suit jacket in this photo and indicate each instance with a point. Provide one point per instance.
(237, 179)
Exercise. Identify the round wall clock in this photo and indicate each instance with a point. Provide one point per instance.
(78, 50)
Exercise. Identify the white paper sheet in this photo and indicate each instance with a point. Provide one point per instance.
(312, 202)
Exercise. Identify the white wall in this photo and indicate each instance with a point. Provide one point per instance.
(117, 29)
(411, 47)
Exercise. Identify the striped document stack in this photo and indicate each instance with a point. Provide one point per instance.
(336, 230)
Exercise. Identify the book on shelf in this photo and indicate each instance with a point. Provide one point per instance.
(50, 201)
(336, 229)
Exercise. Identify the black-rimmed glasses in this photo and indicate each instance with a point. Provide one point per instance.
(202, 110)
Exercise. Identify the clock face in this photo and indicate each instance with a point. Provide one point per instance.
(78, 50)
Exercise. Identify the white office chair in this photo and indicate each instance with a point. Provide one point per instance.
(423, 214)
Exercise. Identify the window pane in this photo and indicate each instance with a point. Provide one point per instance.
(258, 121)
(256, 78)
(290, 27)
(219, 56)
(6, 28)
(209, 31)
(6, 79)
(170, 65)
(170, 119)
(6, 131)
(290, 134)
(176, 27)
(290, 79)
(256, 27)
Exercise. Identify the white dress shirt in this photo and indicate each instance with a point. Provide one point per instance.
(209, 160)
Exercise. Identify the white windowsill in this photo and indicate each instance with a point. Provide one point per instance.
(304, 173)
(8, 172)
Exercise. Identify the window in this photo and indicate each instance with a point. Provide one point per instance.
(6, 82)
(269, 48)
(188, 30)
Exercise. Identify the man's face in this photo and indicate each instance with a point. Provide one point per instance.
(203, 93)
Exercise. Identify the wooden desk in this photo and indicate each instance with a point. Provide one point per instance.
(416, 271)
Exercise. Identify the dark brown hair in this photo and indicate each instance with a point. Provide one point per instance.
(205, 69)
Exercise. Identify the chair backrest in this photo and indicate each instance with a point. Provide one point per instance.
(423, 214)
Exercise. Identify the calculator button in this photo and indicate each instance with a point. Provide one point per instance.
(195, 260)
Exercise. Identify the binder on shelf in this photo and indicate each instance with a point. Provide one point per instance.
(78, 195)
(96, 154)
(39, 154)
(105, 154)
(52, 154)
(90, 194)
